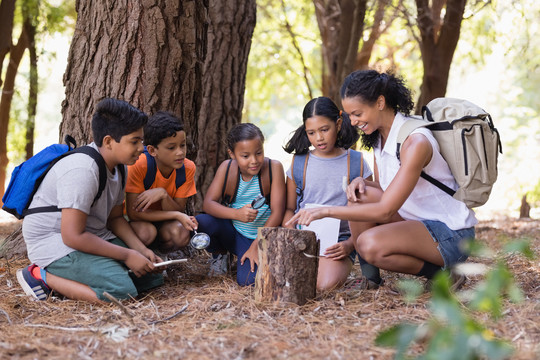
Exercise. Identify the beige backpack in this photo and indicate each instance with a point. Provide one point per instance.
(469, 143)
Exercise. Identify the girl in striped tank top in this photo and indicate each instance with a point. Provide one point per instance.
(233, 227)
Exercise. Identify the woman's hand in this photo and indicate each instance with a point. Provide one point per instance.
(246, 213)
(252, 254)
(306, 216)
(148, 197)
(340, 250)
(356, 189)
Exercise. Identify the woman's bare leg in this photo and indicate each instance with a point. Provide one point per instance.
(402, 246)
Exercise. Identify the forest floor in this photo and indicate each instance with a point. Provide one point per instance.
(193, 316)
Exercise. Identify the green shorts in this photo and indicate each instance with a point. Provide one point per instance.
(103, 274)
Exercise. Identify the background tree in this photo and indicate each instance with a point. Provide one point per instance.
(439, 25)
(15, 52)
(341, 24)
(31, 19)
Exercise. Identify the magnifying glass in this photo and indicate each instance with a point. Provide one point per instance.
(258, 202)
(200, 240)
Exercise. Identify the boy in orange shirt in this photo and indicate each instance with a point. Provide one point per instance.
(159, 184)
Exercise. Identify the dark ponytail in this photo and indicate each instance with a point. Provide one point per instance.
(368, 85)
(322, 106)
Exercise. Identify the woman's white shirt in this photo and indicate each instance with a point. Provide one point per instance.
(427, 201)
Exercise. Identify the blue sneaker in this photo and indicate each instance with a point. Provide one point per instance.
(33, 287)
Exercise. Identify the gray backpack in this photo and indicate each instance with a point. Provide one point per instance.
(469, 142)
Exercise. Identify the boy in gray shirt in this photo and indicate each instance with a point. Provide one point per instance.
(86, 248)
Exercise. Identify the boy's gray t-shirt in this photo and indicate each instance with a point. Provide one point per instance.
(324, 182)
(71, 183)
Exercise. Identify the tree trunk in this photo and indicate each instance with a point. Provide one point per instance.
(341, 23)
(285, 273)
(382, 20)
(15, 56)
(525, 209)
(29, 23)
(149, 53)
(7, 11)
(438, 42)
(224, 76)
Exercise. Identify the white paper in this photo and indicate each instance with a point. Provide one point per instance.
(326, 229)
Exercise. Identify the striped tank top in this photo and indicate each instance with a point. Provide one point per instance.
(247, 191)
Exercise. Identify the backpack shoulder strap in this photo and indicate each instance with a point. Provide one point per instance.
(94, 154)
(265, 179)
(151, 170)
(298, 171)
(355, 164)
(180, 176)
(122, 171)
(231, 182)
(406, 129)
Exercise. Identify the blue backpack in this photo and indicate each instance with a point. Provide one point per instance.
(27, 177)
(355, 168)
(151, 170)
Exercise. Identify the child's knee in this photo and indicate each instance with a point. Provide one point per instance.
(174, 235)
(146, 231)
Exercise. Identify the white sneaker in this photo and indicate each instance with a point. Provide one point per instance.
(219, 265)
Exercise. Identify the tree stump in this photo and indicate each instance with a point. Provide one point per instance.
(525, 209)
(285, 273)
(13, 246)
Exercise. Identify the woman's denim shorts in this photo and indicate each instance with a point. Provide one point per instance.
(450, 242)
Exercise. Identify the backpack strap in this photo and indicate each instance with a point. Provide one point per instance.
(406, 129)
(265, 179)
(151, 171)
(94, 154)
(298, 173)
(356, 159)
(231, 182)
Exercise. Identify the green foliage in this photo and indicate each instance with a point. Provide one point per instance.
(452, 332)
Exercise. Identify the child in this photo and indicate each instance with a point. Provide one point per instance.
(420, 228)
(233, 227)
(77, 251)
(158, 213)
(331, 134)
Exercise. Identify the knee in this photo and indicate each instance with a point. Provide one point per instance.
(147, 233)
(368, 248)
(175, 236)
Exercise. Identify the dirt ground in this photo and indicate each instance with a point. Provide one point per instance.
(193, 316)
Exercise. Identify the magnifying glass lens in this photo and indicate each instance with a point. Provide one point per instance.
(258, 202)
(200, 241)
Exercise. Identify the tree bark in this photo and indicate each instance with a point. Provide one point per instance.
(15, 56)
(285, 273)
(149, 53)
(341, 23)
(224, 75)
(7, 11)
(29, 23)
(438, 42)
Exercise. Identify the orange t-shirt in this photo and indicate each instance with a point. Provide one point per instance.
(137, 172)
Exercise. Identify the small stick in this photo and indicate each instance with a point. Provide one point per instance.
(117, 302)
(170, 317)
(7, 316)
